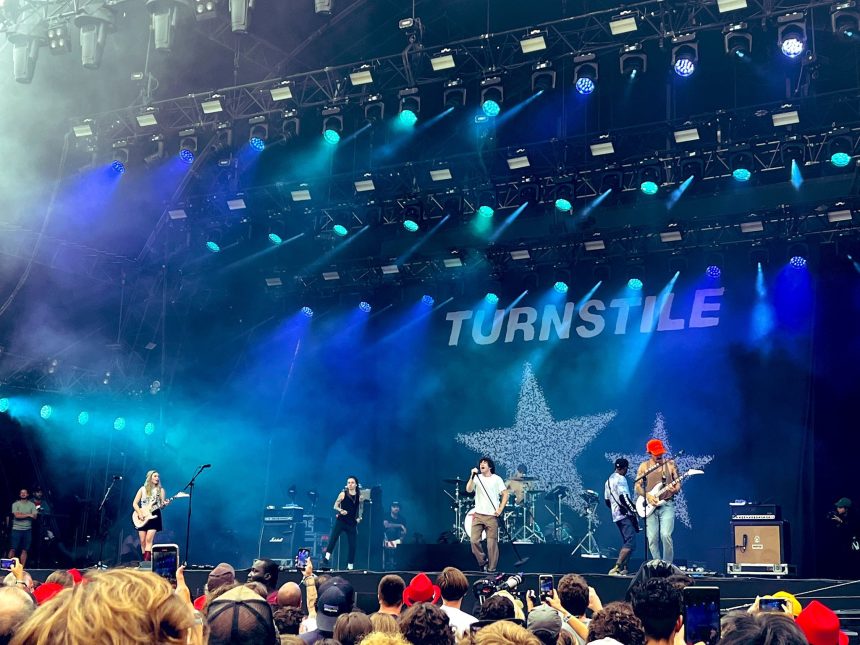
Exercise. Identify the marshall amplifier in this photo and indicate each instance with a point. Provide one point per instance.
(282, 532)
(752, 512)
(760, 542)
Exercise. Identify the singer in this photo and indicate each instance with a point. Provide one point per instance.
(348, 508)
(148, 502)
(491, 497)
(660, 524)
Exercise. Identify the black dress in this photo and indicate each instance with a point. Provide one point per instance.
(155, 523)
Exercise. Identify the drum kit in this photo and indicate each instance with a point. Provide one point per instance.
(520, 516)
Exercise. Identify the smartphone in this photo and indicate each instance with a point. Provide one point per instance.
(165, 561)
(302, 556)
(702, 615)
(544, 586)
(7, 563)
(772, 604)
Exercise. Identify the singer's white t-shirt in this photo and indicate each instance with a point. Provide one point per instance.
(495, 485)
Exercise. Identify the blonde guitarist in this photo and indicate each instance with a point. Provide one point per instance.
(659, 524)
(149, 501)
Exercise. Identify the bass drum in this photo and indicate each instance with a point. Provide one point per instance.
(467, 524)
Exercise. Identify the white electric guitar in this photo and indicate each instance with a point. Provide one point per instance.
(661, 492)
(147, 511)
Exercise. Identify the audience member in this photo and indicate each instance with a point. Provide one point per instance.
(794, 605)
(651, 569)
(616, 620)
(266, 572)
(763, 628)
(658, 604)
(497, 607)
(335, 597)
(545, 623)
(421, 589)
(453, 586)
(821, 625)
(288, 620)
(504, 632)
(352, 627)
(16, 606)
(290, 595)
(221, 575)
(426, 624)
(45, 591)
(384, 623)
(384, 638)
(62, 577)
(239, 617)
(390, 594)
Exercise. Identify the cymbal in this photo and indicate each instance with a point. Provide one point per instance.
(588, 495)
(457, 480)
(523, 479)
(558, 491)
(535, 492)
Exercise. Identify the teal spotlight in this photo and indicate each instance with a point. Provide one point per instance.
(635, 284)
(408, 117)
(410, 225)
(119, 423)
(563, 205)
(4, 404)
(491, 298)
(648, 187)
(275, 239)
(560, 287)
(84, 418)
(741, 174)
(46, 411)
(840, 159)
(491, 108)
(213, 247)
(331, 136)
(339, 230)
(149, 428)
(486, 211)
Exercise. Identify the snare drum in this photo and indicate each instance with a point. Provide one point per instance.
(467, 524)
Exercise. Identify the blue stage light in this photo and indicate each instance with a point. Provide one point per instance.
(797, 262)
(4, 404)
(410, 225)
(491, 298)
(792, 46)
(331, 136)
(307, 311)
(741, 174)
(491, 108)
(84, 418)
(585, 85)
(684, 67)
(486, 211)
(840, 159)
(186, 155)
(119, 423)
(46, 411)
(275, 239)
(408, 117)
(560, 286)
(635, 284)
(427, 300)
(649, 187)
(713, 271)
(213, 246)
(149, 428)
(563, 205)
(118, 166)
(257, 143)
(365, 306)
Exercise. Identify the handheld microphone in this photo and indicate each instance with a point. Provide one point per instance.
(744, 545)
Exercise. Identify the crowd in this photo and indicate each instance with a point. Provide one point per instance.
(134, 606)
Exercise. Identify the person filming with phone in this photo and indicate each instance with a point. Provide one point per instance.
(23, 513)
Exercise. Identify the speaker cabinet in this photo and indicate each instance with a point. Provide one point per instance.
(763, 542)
(280, 541)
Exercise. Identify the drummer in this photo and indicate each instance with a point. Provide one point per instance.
(518, 484)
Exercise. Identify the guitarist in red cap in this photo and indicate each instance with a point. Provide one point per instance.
(661, 522)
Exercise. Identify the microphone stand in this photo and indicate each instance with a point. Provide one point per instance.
(102, 533)
(190, 488)
(644, 480)
(501, 522)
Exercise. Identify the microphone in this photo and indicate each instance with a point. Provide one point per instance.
(117, 477)
(204, 466)
(744, 545)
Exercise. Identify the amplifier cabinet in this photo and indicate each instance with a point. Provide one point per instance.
(279, 541)
(761, 542)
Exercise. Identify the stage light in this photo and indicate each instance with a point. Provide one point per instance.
(632, 61)
(756, 226)
(792, 34)
(187, 146)
(119, 423)
(323, 7)
(340, 230)
(635, 284)
(149, 427)
(212, 105)
(410, 225)
(741, 174)
(46, 411)
(258, 134)
(649, 187)
(443, 60)
(685, 54)
(491, 298)
(301, 193)
(328, 276)
(84, 418)
(649, 179)
(332, 124)
(236, 203)
(839, 214)
(59, 39)
(275, 239)
(534, 41)
(410, 106)
(365, 184)
(147, 118)
(331, 136)
(594, 245)
(282, 91)
(83, 129)
(408, 117)
(454, 94)
(117, 166)
(492, 95)
(543, 77)
(673, 235)
(213, 247)
(389, 269)
(602, 147)
(4, 404)
(685, 135)
(186, 156)
(731, 5)
(205, 9)
(240, 15)
(486, 211)
(784, 118)
(560, 287)
(361, 76)
(840, 159)
(713, 271)
(257, 143)
(737, 41)
(845, 20)
(452, 263)
(623, 23)
(441, 174)
(797, 262)
(585, 73)
(95, 20)
(518, 159)
(563, 205)
(307, 312)
(840, 148)
(165, 14)
(365, 306)
(490, 107)
(177, 213)
(520, 254)
(427, 300)
(741, 165)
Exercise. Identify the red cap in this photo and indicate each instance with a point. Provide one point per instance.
(421, 589)
(199, 603)
(46, 591)
(76, 576)
(655, 447)
(821, 625)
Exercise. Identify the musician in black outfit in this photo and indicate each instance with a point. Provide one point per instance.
(151, 492)
(349, 507)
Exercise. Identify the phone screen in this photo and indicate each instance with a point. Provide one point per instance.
(302, 556)
(545, 583)
(771, 604)
(702, 615)
(7, 563)
(165, 561)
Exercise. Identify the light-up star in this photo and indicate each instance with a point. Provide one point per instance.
(683, 464)
(547, 447)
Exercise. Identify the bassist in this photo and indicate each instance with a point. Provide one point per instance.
(149, 495)
(616, 493)
(661, 523)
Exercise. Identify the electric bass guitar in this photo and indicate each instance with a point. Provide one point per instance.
(661, 492)
(147, 511)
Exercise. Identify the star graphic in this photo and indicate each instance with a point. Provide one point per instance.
(683, 463)
(547, 447)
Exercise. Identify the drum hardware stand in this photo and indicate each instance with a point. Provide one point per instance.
(459, 531)
(588, 543)
(559, 493)
(530, 531)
